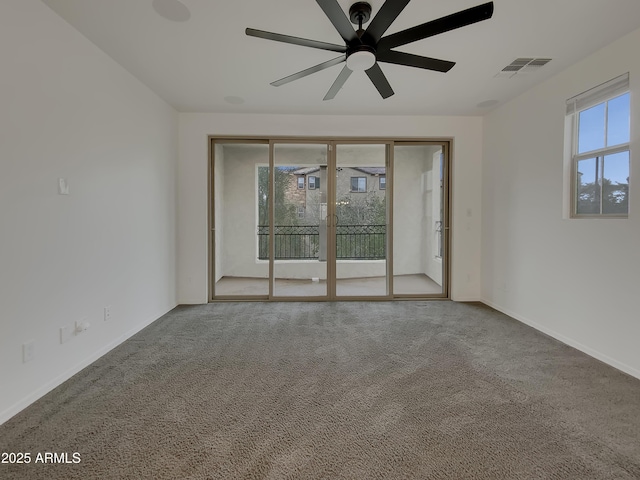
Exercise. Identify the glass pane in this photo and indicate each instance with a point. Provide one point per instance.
(618, 129)
(418, 214)
(591, 129)
(588, 187)
(361, 211)
(300, 220)
(615, 184)
(241, 188)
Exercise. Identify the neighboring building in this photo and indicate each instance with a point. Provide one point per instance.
(306, 189)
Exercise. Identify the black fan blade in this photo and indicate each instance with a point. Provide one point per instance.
(337, 85)
(435, 27)
(278, 37)
(410, 60)
(380, 81)
(339, 20)
(383, 20)
(309, 71)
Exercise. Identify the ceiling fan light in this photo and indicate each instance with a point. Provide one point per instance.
(361, 61)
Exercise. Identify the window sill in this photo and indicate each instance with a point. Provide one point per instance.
(601, 217)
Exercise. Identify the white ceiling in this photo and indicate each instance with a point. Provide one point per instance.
(195, 64)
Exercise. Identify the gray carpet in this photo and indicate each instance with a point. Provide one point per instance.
(336, 390)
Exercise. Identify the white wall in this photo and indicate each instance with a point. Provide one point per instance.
(192, 181)
(409, 241)
(416, 207)
(69, 111)
(239, 212)
(433, 267)
(575, 279)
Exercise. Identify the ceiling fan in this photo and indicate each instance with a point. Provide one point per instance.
(363, 49)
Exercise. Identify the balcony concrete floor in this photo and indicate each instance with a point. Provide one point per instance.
(417, 284)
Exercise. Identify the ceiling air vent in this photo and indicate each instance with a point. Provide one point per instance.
(522, 66)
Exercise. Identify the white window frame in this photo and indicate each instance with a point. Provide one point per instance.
(382, 180)
(300, 183)
(358, 185)
(311, 181)
(598, 95)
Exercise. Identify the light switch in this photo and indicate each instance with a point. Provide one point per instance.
(63, 186)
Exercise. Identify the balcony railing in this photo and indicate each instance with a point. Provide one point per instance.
(361, 242)
(291, 242)
(302, 242)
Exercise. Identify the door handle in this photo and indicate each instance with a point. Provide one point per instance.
(329, 218)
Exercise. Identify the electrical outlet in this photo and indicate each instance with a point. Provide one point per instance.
(107, 313)
(28, 351)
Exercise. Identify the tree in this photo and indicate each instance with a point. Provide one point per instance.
(361, 230)
(285, 213)
(615, 197)
(288, 243)
(361, 209)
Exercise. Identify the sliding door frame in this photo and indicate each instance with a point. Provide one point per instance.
(388, 145)
(212, 141)
(332, 143)
(330, 281)
(446, 217)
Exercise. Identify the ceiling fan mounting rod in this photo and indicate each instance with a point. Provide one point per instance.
(359, 13)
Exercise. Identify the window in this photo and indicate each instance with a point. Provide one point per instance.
(300, 183)
(314, 183)
(600, 152)
(383, 183)
(358, 184)
(300, 211)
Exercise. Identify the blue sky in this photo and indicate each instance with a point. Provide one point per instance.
(592, 135)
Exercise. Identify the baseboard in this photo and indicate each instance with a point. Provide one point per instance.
(192, 302)
(63, 377)
(567, 341)
(466, 299)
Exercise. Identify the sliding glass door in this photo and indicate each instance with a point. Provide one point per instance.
(239, 227)
(299, 232)
(328, 220)
(419, 221)
(361, 220)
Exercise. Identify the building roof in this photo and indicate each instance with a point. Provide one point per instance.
(305, 171)
(372, 170)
